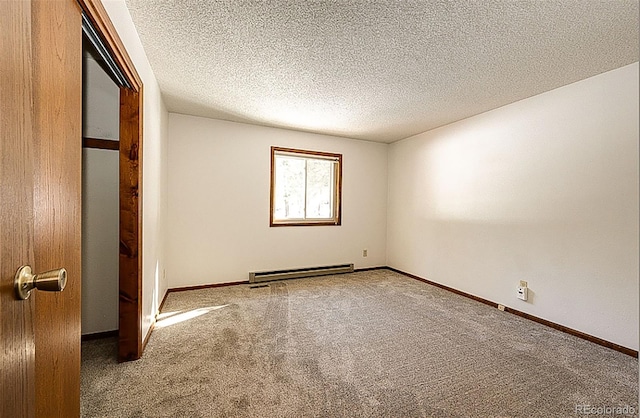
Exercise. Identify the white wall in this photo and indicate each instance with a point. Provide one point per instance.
(100, 220)
(100, 225)
(154, 152)
(543, 190)
(219, 203)
(100, 102)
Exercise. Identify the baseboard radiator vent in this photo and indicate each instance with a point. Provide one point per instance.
(266, 276)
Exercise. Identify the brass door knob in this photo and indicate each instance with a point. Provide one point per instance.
(49, 281)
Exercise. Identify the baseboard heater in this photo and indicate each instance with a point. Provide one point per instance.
(266, 276)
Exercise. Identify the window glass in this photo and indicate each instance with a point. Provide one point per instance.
(305, 187)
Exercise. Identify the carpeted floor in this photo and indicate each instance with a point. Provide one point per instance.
(367, 344)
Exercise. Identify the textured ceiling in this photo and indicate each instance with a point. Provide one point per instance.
(375, 70)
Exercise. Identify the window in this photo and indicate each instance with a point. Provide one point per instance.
(306, 187)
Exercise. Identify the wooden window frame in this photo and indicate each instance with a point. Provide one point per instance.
(336, 220)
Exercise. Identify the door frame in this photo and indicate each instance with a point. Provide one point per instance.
(130, 339)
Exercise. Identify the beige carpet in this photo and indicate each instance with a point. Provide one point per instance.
(367, 344)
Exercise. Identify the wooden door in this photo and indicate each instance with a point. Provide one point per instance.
(40, 95)
(17, 355)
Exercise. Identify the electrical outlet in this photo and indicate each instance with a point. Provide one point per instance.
(501, 307)
(522, 293)
(364, 253)
(523, 283)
